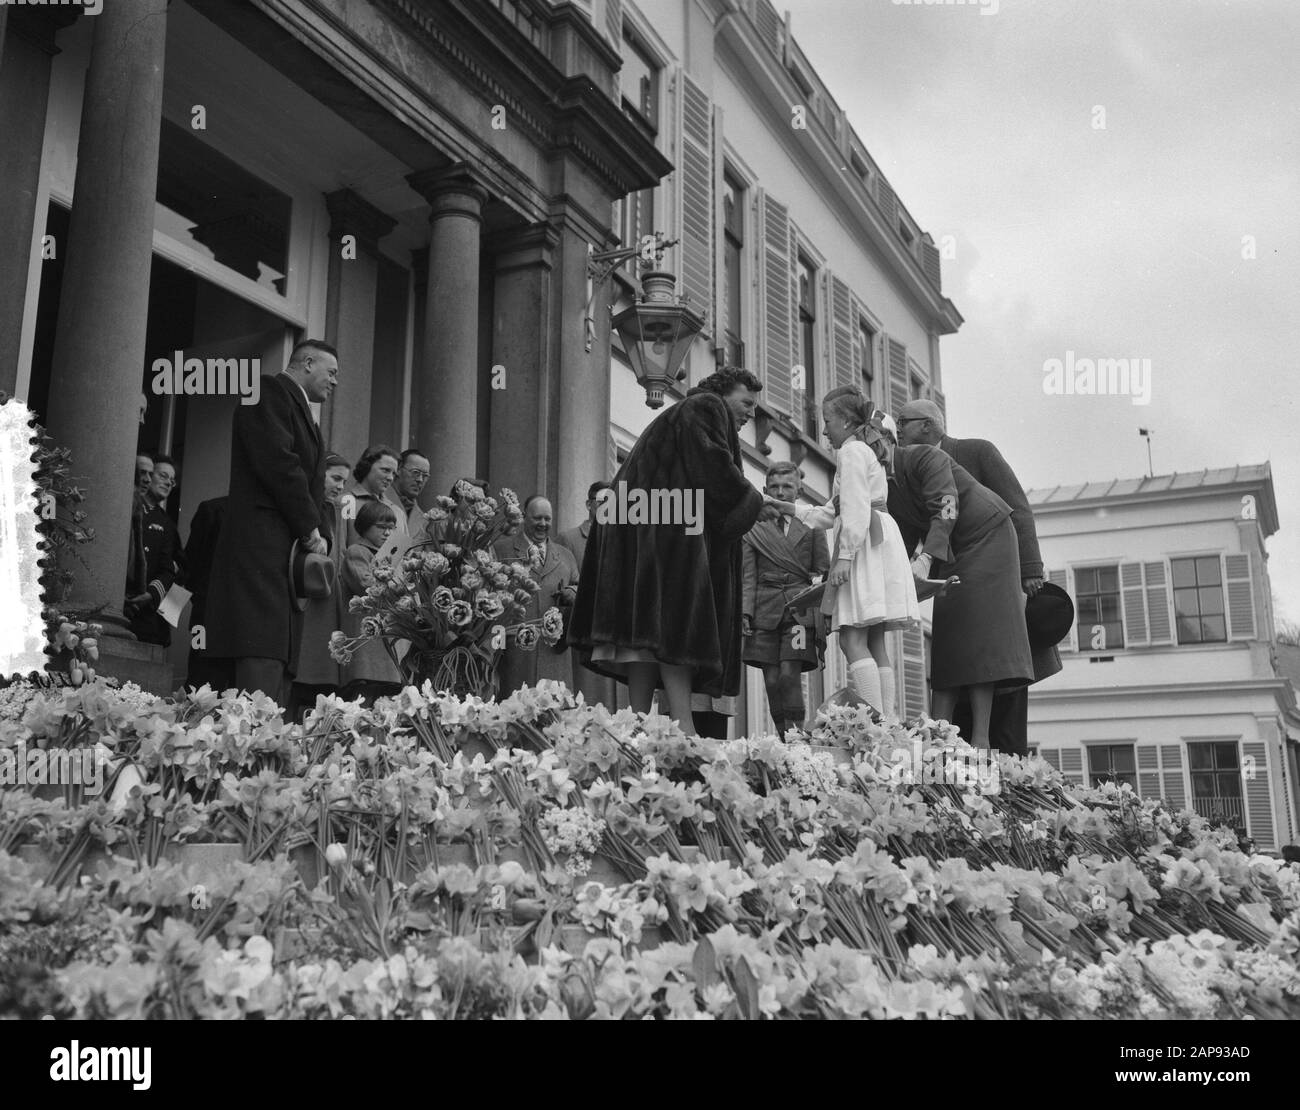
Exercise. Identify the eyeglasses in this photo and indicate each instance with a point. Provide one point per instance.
(909, 420)
(418, 475)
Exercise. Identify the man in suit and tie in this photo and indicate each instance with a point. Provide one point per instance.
(277, 481)
(923, 422)
(778, 559)
(558, 578)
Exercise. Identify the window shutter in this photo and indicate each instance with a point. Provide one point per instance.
(611, 462)
(1135, 610)
(1171, 761)
(896, 358)
(777, 323)
(1241, 597)
(1072, 764)
(1053, 756)
(888, 202)
(930, 263)
(842, 312)
(1158, 604)
(943, 405)
(1061, 578)
(1148, 764)
(913, 678)
(614, 23)
(695, 196)
(1259, 798)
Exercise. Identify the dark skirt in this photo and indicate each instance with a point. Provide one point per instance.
(979, 627)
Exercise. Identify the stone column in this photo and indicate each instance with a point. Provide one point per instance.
(25, 54)
(447, 419)
(350, 317)
(98, 361)
(524, 344)
(583, 391)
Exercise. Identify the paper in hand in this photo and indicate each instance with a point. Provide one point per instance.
(394, 547)
(173, 605)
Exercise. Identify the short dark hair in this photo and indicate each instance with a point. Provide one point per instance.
(160, 458)
(332, 460)
(411, 452)
(728, 379)
(308, 345)
(372, 456)
(372, 513)
(596, 487)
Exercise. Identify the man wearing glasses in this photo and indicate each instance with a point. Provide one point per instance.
(160, 544)
(403, 494)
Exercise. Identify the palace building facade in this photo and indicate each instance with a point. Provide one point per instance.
(423, 183)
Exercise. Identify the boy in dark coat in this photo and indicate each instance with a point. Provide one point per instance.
(277, 481)
(659, 600)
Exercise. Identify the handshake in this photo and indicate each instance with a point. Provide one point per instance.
(773, 510)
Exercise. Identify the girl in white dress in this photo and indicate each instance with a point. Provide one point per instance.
(870, 587)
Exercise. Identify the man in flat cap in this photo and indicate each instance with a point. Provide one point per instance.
(922, 422)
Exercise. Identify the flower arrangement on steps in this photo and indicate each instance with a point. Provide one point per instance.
(447, 607)
(751, 878)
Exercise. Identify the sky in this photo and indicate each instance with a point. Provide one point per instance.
(1128, 240)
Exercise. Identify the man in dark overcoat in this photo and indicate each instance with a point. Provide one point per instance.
(277, 480)
(160, 544)
(923, 422)
(596, 689)
(980, 638)
(780, 558)
(659, 600)
(200, 549)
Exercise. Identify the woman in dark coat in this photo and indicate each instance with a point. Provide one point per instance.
(980, 639)
(659, 601)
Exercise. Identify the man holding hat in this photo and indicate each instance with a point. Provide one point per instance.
(277, 490)
(922, 422)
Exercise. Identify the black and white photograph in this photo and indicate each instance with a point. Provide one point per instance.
(652, 510)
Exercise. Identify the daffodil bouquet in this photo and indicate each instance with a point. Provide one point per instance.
(447, 607)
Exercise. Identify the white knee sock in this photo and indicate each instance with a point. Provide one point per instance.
(864, 677)
(888, 704)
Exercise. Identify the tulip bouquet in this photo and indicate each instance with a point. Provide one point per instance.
(446, 608)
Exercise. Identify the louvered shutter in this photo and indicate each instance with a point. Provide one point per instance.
(930, 263)
(888, 202)
(1053, 756)
(913, 684)
(896, 359)
(614, 23)
(1241, 597)
(843, 326)
(1259, 798)
(943, 404)
(778, 327)
(1159, 618)
(1072, 764)
(768, 24)
(611, 461)
(1061, 578)
(695, 196)
(1134, 602)
(1148, 771)
(1171, 762)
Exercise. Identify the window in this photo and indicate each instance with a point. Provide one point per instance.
(918, 387)
(807, 343)
(1198, 600)
(860, 167)
(639, 85)
(1112, 763)
(1216, 781)
(733, 251)
(866, 358)
(1096, 594)
(216, 208)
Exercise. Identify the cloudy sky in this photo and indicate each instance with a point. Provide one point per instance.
(1122, 242)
